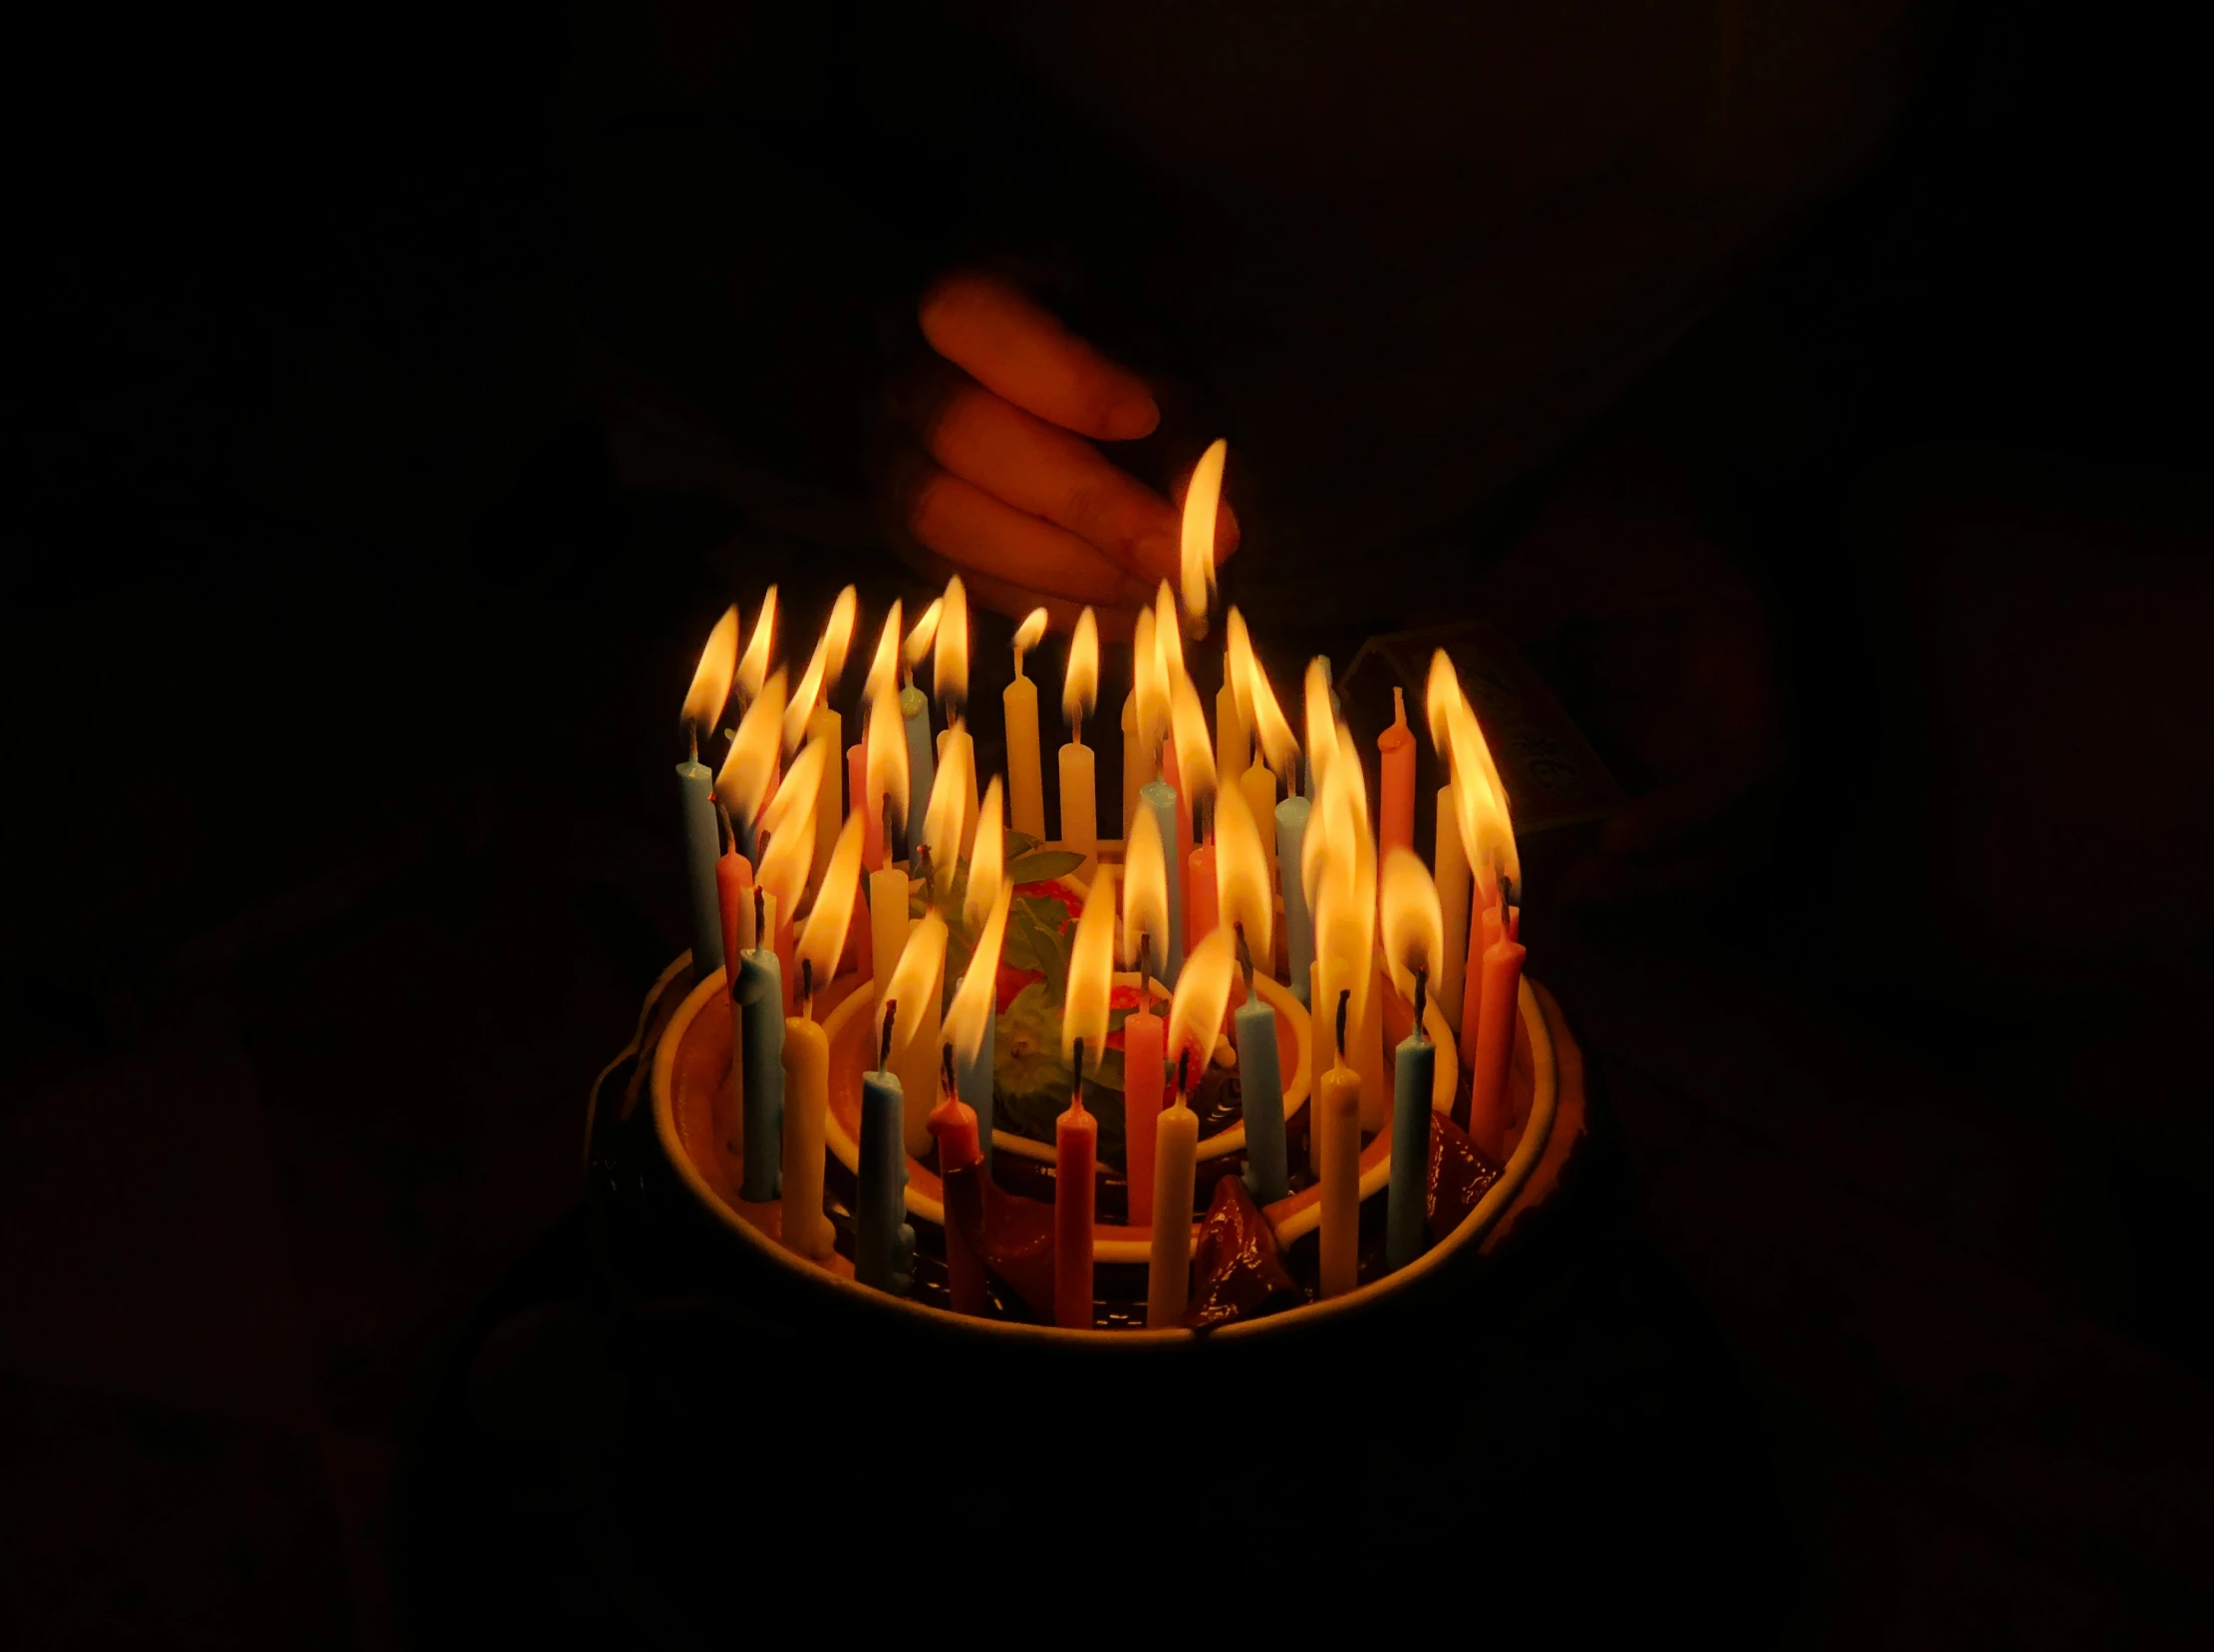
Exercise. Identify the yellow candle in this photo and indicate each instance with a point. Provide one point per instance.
(1026, 781)
(1136, 761)
(1176, 1141)
(1338, 1119)
(1453, 901)
(1233, 743)
(1079, 798)
(1260, 787)
(806, 1098)
(888, 923)
(826, 724)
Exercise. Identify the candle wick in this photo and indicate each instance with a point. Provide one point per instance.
(1422, 995)
(945, 1070)
(807, 988)
(884, 1052)
(691, 737)
(1505, 894)
(1076, 728)
(1183, 1073)
(1018, 664)
(1244, 954)
(1076, 1087)
(761, 916)
(1344, 1004)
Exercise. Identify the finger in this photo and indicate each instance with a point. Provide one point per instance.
(1004, 341)
(987, 536)
(1043, 472)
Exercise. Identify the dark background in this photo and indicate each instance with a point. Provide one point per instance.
(340, 653)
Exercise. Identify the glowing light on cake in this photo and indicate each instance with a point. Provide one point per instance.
(884, 755)
(1202, 996)
(1201, 500)
(1091, 972)
(824, 939)
(950, 649)
(884, 666)
(1414, 926)
(747, 770)
(948, 807)
(754, 666)
(970, 1015)
(1242, 893)
(987, 861)
(1144, 897)
(1080, 684)
(710, 679)
(824, 668)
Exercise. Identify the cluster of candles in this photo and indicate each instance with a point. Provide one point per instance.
(1200, 890)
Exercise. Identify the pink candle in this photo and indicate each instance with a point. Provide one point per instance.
(1395, 751)
(1076, 1147)
(1144, 1074)
(1490, 1110)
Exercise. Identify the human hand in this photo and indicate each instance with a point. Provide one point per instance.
(993, 473)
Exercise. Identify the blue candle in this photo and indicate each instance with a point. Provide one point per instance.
(1260, 1084)
(1414, 1073)
(1159, 800)
(760, 994)
(922, 765)
(1298, 922)
(882, 1242)
(696, 787)
(973, 1080)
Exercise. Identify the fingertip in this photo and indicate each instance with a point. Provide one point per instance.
(1131, 419)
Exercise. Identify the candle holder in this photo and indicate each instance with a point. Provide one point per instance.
(684, 1052)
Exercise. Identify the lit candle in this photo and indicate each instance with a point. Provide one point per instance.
(1485, 832)
(1202, 497)
(1196, 789)
(1157, 812)
(809, 717)
(857, 789)
(788, 827)
(1248, 915)
(1284, 824)
(1338, 1118)
(807, 1051)
(1136, 761)
(949, 688)
(953, 1125)
(1079, 782)
(1091, 966)
(1451, 857)
(887, 804)
(734, 895)
(703, 702)
(749, 769)
(1176, 1144)
(951, 799)
(760, 996)
(883, 1242)
(1339, 869)
(1145, 923)
(968, 1023)
(1298, 922)
(1395, 753)
(1413, 943)
(914, 715)
(1233, 745)
(1490, 1109)
(1269, 743)
(1019, 702)
(918, 985)
(754, 667)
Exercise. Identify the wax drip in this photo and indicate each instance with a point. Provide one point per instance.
(891, 1016)
(1344, 1003)
(1076, 1088)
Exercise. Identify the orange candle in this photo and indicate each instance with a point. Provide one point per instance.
(734, 894)
(1394, 750)
(1144, 1072)
(1076, 1150)
(953, 1121)
(1472, 981)
(1490, 1111)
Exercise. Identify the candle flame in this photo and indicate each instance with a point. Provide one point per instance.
(925, 632)
(1448, 708)
(1242, 895)
(823, 941)
(1091, 971)
(1337, 866)
(949, 650)
(1201, 500)
(885, 667)
(1168, 636)
(987, 859)
(1145, 896)
(1322, 734)
(947, 804)
(801, 786)
(1080, 686)
(884, 759)
(1027, 634)
(1151, 690)
(744, 781)
(1201, 997)
(918, 977)
(710, 679)
(1414, 926)
(973, 1003)
(1440, 690)
(1487, 831)
(1256, 703)
(1195, 758)
(824, 668)
(753, 669)
(791, 850)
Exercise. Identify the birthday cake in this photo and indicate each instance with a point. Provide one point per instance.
(1254, 1060)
